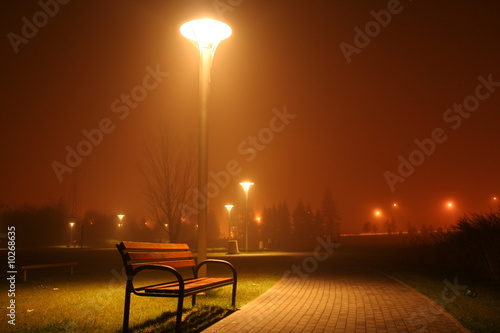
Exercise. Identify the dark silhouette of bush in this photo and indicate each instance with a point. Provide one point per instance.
(471, 248)
(477, 237)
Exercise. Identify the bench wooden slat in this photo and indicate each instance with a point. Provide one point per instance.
(176, 263)
(154, 246)
(159, 255)
(190, 285)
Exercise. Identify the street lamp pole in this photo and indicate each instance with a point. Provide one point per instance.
(246, 188)
(207, 34)
(229, 207)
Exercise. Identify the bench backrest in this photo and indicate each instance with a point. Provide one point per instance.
(136, 254)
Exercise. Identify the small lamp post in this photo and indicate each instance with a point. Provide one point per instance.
(120, 224)
(71, 225)
(246, 188)
(229, 207)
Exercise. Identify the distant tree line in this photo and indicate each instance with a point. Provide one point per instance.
(280, 229)
(49, 225)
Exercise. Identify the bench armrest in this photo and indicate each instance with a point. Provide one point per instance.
(170, 269)
(216, 261)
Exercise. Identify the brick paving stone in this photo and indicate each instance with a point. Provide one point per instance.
(345, 297)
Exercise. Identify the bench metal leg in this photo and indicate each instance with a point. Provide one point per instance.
(126, 309)
(180, 303)
(233, 299)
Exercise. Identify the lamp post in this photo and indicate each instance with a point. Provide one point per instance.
(229, 207)
(246, 188)
(71, 225)
(207, 34)
(120, 224)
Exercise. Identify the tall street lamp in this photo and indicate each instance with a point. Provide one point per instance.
(246, 187)
(207, 34)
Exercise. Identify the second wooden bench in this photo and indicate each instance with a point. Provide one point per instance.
(63, 264)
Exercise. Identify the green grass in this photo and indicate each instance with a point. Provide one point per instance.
(85, 306)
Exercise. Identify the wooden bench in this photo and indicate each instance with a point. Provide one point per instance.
(168, 257)
(63, 264)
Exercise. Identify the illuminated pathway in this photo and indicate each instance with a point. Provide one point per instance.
(345, 297)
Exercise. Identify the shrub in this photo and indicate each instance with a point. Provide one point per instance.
(478, 238)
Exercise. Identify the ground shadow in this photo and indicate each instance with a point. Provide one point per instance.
(194, 320)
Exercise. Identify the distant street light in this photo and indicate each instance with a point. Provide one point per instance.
(394, 210)
(229, 207)
(120, 224)
(120, 217)
(451, 208)
(71, 225)
(246, 188)
(207, 34)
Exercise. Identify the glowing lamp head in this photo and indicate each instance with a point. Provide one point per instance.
(229, 207)
(206, 31)
(120, 216)
(246, 185)
(72, 224)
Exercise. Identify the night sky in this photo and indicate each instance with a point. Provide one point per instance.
(380, 101)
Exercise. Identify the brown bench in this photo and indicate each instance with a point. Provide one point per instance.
(168, 257)
(28, 267)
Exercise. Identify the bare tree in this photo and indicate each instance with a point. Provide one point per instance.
(168, 174)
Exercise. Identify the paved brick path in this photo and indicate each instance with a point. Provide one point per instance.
(345, 297)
